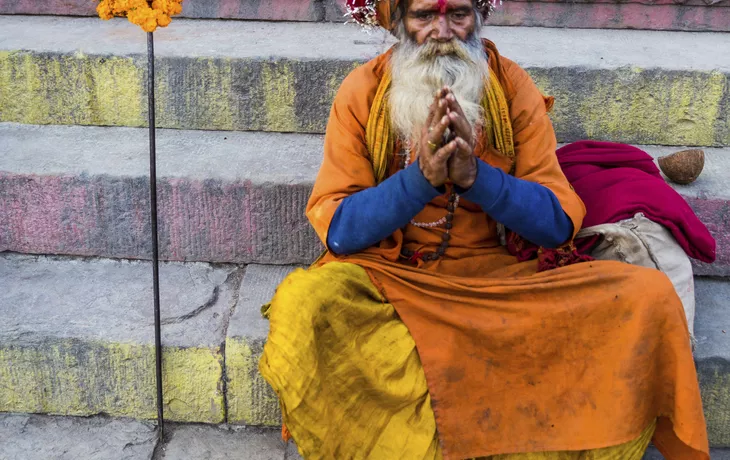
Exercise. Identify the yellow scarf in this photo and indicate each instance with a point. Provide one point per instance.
(380, 137)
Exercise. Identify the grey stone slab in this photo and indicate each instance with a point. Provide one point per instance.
(291, 451)
(251, 401)
(258, 287)
(712, 331)
(77, 337)
(189, 442)
(110, 300)
(712, 324)
(34, 437)
(222, 196)
(712, 183)
(603, 49)
(255, 157)
(624, 85)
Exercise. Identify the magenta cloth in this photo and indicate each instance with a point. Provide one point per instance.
(616, 181)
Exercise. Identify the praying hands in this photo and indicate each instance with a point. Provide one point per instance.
(451, 159)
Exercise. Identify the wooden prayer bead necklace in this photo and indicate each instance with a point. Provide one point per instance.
(446, 221)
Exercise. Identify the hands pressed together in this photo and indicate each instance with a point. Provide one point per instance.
(452, 159)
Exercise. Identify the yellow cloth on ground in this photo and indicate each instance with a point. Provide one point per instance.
(346, 368)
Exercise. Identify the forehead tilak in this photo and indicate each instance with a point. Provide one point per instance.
(442, 4)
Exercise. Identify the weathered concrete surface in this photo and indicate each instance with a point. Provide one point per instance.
(262, 10)
(35, 437)
(693, 15)
(223, 197)
(667, 88)
(291, 451)
(77, 337)
(222, 443)
(712, 331)
(614, 15)
(251, 401)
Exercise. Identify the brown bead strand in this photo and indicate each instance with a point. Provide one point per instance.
(445, 237)
(450, 208)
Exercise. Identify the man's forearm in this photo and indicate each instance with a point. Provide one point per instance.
(527, 208)
(371, 215)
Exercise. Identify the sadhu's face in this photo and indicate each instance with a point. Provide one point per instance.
(439, 20)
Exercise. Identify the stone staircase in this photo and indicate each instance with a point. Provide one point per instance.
(688, 15)
(243, 105)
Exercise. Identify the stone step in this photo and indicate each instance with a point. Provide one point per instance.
(78, 337)
(643, 87)
(691, 15)
(77, 340)
(227, 197)
(41, 437)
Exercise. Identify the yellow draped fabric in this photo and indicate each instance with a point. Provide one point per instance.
(346, 367)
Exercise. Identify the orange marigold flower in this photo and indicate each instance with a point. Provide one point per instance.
(146, 14)
(104, 11)
(163, 20)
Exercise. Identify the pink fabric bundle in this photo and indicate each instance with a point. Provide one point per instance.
(616, 181)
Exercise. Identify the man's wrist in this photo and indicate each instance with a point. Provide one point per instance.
(419, 184)
(465, 185)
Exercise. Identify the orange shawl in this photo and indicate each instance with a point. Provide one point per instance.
(575, 358)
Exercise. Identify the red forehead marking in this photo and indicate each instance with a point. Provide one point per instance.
(442, 6)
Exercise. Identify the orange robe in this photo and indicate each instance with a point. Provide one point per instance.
(575, 358)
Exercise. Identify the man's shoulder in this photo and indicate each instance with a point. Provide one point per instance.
(357, 91)
(367, 76)
(506, 67)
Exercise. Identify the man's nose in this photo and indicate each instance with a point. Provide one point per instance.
(442, 29)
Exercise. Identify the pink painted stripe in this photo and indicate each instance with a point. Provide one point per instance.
(613, 16)
(210, 220)
(690, 15)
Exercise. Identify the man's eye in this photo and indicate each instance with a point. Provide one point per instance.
(459, 16)
(424, 16)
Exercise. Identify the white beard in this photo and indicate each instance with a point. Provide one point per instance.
(418, 71)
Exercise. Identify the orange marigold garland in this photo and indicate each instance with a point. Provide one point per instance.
(147, 14)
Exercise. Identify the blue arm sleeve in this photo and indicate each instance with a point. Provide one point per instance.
(529, 209)
(371, 215)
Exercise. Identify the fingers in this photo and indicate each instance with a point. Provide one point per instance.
(454, 105)
(464, 150)
(435, 111)
(442, 155)
(436, 133)
(461, 127)
(432, 109)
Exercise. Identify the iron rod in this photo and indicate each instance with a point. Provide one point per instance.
(153, 222)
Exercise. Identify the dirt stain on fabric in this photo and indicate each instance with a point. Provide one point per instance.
(453, 374)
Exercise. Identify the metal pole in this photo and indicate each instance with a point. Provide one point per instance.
(153, 221)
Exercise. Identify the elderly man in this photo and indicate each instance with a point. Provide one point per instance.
(418, 335)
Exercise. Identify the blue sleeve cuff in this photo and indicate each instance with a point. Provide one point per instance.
(417, 186)
(530, 209)
(487, 187)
